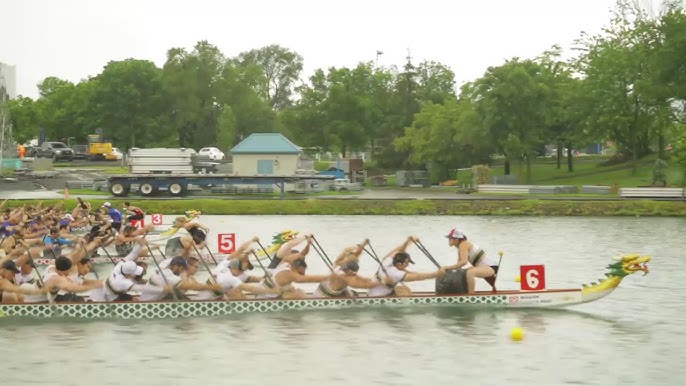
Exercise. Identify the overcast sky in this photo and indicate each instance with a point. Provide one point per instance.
(74, 39)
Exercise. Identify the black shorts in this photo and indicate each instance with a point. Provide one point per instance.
(136, 217)
(116, 226)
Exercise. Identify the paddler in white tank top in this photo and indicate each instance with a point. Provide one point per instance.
(395, 265)
(233, 286)
(483, 265)
(9, 292)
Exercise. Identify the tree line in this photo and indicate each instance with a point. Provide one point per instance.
(626, 85)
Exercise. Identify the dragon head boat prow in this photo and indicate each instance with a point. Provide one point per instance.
(622, 267)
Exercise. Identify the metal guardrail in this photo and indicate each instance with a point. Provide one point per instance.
(595, 189)
(491, 188)
(652, 192)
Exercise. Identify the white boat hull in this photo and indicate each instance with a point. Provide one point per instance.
(190, 309)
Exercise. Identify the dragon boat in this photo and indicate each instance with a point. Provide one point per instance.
(616, 272)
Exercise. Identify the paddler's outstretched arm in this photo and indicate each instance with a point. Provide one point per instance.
(360, 282)
(298, 278)
(259, 290)
(5, 285)
(416, 276)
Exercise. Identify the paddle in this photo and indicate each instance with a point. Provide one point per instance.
(205, 264)
(208, 250)
(327, 261)
(107, 253)
(173, 292)
(266, 273)
(320, 251)
(40, 277)
(375, 257)
(426, 252)
(263, 250)
(97, 277)
(491, 280)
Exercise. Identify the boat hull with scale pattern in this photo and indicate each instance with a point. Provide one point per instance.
(192, 309)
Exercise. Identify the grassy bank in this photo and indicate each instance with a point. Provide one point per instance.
(401, 207)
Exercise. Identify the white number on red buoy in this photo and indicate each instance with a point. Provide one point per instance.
(534, 277)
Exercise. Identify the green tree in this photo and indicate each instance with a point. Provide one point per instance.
(281, 69)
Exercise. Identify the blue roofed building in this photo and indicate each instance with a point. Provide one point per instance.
(266, 154)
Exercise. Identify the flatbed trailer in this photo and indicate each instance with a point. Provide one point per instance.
(177, 184)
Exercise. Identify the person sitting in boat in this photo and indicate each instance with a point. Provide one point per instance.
(115, 216)
(233, 285)
(123, 242)
(482, 265)
(394, 266)
(287, 250)
(9, 291)
(178, 275)
(241, 253)
(345, 275)
(291, 269)
(123, 277)
(133, 212)
(188, 244)
(58, 281)
(82, 208)
(53, 243)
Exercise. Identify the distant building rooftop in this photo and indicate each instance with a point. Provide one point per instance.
(266, 143)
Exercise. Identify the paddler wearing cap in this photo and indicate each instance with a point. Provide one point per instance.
(124, 277)
(9, 292)
(241, 253)
(483, 265)
(345, 275)
(291, 270)
(395, 265)
(115, 215)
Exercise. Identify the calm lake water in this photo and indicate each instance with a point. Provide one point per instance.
(633, 337)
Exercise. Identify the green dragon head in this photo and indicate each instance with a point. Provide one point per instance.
(627, 265)
(284, 236)
(622, 267)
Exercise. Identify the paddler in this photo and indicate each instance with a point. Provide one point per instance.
(124, 277)
(232, 286)
(394, 266)
(483, 265)
(345, 275)
(124, 241)
(178, 275)
(133, 212)
(58, 280)
(287, 249)
(9, 292)
(292, 270)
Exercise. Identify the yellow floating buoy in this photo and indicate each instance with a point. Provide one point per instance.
(517, 334)
(518, 279)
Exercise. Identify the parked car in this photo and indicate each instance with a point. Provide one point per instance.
(212, 153)
(115, 155)
(54, 150)
(80, 151)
